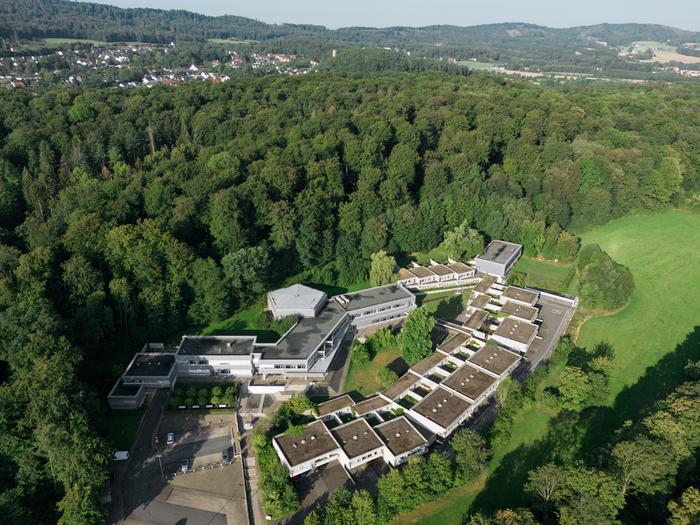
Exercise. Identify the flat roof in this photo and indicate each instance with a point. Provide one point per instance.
(459, 267)
(333, 405)
(494, 358)
(405, 382)
(126, 389)
(216, 345)
(485, 283)
(442, 407)
(151, 365)
(375, 296)
(297, 297)
(500, 251)
(516, 330)
(315, 440)
(400, 436)
(307, 335)
(357, 438)
(469, 381)
(441, 269)
(520, 294)
(453, 342)
(479, 300)
(405, 274)
(421, 271)
(520, 310)
(424, 365)
(370, 405)
(476, 319)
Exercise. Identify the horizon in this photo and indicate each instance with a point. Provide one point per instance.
(413, 13)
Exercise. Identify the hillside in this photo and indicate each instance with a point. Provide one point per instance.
(517, 45)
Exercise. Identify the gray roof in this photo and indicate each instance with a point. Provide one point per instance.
(500, 252)
(307, 335)
(334, 405)
(126, 389)
(297, 297)
(375, 296)
(356, 438)
(442, 407)
(494, 358)
(151, 365)
(400, 436)
(516, 330)
(314, 441)
(216, 345)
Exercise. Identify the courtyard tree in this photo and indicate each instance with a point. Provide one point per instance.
(415, 336)
(381, 270)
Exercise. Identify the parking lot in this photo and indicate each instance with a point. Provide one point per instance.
(154, 489)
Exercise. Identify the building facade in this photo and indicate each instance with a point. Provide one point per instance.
(499, 258)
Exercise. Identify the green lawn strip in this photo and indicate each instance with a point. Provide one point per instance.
(363, 378)
(121, 426)
(542, 273)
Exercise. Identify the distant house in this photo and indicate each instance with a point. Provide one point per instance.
(499, 258)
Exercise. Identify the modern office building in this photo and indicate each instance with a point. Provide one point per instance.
(436, 275)
(499, 258)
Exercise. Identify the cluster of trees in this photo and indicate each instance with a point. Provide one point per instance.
(602, 282)
(585, 379)
(53, 462)
(190, 395)
(279, 495)
(415, 338)
(421, 479)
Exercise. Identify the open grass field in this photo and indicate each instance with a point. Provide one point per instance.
(544, 274)
(364, 378)
(654, 337)
(663, 252)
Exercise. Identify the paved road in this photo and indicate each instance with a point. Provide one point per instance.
(140, 485)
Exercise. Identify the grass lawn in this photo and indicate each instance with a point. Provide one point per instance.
(649, 337)
(364, 378)
(544, 274)
(121, 426)
(662, 250)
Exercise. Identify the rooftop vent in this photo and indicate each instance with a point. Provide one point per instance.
(398, 434)
(313, 437)
(303, 442)
(354, 438)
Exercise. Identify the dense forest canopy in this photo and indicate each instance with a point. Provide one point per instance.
(128, 216)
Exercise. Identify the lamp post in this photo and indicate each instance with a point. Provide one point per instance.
(159, 456)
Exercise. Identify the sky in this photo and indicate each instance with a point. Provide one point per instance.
(381, 13)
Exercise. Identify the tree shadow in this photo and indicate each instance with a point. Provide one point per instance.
(587, 435)
(449, 309)
(399, 366)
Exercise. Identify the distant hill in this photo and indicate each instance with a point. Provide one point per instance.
(586, 49)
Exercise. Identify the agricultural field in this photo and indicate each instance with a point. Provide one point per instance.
(663, 53)
(654, 336)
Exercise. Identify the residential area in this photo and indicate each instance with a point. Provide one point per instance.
(194, 458)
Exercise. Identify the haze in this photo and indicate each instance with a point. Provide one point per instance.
(381, 13)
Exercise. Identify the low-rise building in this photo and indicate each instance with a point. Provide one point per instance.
(516, 334)
(358, 442)
(377, 306)
(441, 411)
(145, 370)
(520, 295)
(299, 300)
(436, 275)
(401, 439)
(499, 258)
(313, 447)
(527, 313)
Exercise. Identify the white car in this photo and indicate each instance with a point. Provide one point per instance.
(121, 455)
(185, 465)
(171, 438)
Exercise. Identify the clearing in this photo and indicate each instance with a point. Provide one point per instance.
(364, 378)
(545, 274)
(661, 250)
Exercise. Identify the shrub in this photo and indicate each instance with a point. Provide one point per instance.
(387, 376)
(359, 354)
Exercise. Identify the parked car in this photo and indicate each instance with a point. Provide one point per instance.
(120, 455)
(171, 438)
(184, 465)
(226, 456)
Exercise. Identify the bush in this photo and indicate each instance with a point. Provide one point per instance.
(387, 376)
(382, 340)
(602, 283)
(359, 354)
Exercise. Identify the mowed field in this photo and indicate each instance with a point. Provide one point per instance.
(663, 252)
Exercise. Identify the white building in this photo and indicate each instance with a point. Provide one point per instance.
(499, 258)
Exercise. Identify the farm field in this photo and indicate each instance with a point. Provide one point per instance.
(661, 250)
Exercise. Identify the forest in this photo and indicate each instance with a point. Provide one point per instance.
(133, 216)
